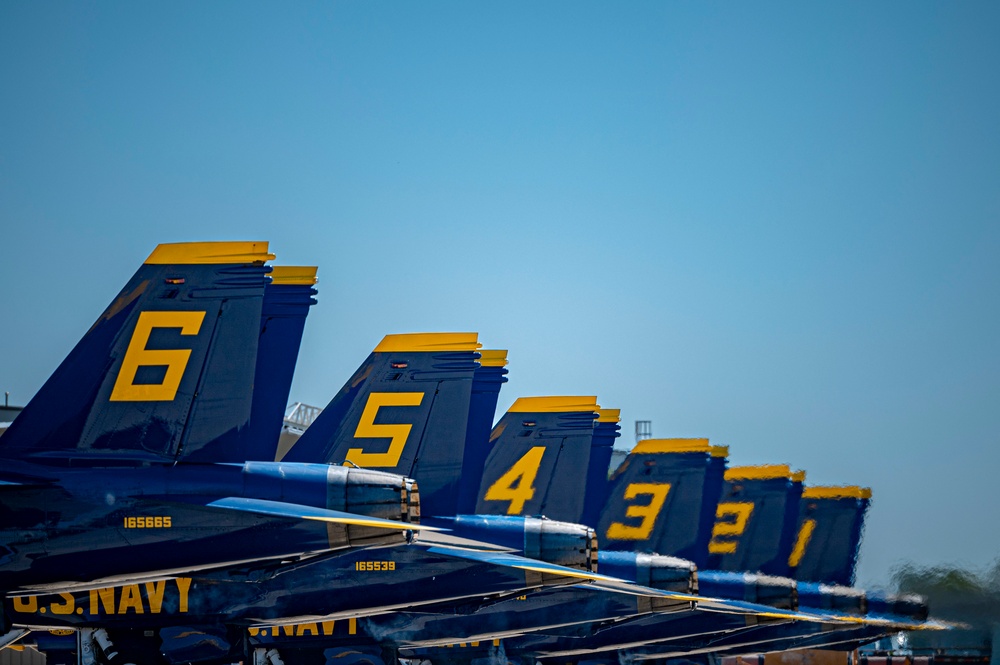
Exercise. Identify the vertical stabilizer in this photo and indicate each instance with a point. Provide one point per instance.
(606, 430)
(403, 411)
(539, 444)
(489, 377)
(166, 372)
(287, 301)
(828, 540)
(662, 498)
(756, 519)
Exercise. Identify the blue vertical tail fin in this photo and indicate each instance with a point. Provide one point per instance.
(287, 300)
(756, 519)
(828, 539)
(404, 411)
(537, 444)
(606, 430)
(662, 498)
(166, 372)
(486, 383)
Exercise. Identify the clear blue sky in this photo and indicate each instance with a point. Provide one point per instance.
(775, 225)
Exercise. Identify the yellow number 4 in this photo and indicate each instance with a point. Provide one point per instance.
(647, 513)
(367, 429)
(518, 484)
(137, 355)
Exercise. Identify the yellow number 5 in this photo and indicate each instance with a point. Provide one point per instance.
(137, 355)
(367, 429)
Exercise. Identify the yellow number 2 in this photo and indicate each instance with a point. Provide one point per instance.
(523, 474)
(367, 429)
(737, 514)
(137, 355)
(647, 513)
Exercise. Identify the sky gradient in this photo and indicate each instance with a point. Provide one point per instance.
(774, 225)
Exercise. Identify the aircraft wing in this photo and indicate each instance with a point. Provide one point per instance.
(10, 480)
(606, 583)
(766, 611)
(613, 584)
(236, 504)
(298, 511)
(890, 621)
(444, 538)
(12, 636)
(501, 558)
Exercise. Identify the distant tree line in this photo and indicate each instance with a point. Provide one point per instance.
(955, 593)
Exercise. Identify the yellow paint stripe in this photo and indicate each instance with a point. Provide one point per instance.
(706, 604)
(656, 446)
(609, 415)
(187, 253)
(556, 404)
(798, 476)
(360, 521)
(848, 619)
(720, 451)
(493, 358)
(596, 577)
(778, 615)
(762, 472)
(562, 573)
(843, 492)
(407, 342)
(293, 275)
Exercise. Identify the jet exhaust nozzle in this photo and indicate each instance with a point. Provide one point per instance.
(361, 492)
(666, 573)
(833, 597)
(778, 592)
(561, 543)
(910, 605)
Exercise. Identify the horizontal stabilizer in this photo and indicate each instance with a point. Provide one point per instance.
(23, 482)
(443, 538)
(297, 511)
(13, 636)
(893, 622)
(767, 612)
(596, 580)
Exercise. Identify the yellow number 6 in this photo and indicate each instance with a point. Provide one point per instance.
(137, 355)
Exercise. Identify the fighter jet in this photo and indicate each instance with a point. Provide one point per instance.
(127, 466)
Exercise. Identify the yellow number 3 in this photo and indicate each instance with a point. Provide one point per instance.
(137, 355)
(367, 429)
(657, 493)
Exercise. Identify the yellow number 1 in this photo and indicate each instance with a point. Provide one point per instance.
(802, 542)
